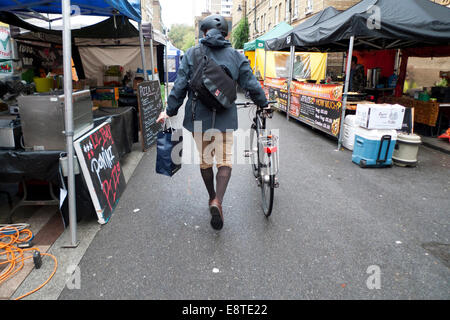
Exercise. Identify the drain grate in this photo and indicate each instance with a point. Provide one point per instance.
(439, 250)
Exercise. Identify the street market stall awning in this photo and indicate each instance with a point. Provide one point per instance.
(319, 17)
(129, 8)
(375, 24)
(276, 31)
(35, 8)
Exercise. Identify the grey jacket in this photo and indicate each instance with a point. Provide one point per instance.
(222, 53)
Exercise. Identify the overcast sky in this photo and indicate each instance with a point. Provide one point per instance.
(181, 11)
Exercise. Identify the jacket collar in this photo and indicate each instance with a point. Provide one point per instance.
(215, 39)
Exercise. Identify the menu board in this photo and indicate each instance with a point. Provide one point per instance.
(99, 161)
(276, 90)
(319, 105)
(150, 106)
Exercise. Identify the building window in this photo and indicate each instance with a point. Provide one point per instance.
(295, 13)
(277, 8)
(264, 23)
(309, 7)
(286, 14)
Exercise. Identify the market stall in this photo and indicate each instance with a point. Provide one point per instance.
(370, 25)
(72, 101)
(254, 50)
(174, 56)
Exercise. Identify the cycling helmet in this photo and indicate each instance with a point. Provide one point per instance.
(214, 21)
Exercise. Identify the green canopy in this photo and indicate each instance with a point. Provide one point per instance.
(276, 31)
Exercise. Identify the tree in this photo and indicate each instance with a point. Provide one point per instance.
(188, 41)
(240, 34)
(182, 36)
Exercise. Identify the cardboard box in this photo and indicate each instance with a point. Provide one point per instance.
(380, 116)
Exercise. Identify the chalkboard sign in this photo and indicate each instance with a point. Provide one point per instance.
(150, 106)
(99, 161)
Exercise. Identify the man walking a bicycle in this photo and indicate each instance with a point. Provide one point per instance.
(199, 118)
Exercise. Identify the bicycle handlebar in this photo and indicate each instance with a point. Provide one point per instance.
(248, 103)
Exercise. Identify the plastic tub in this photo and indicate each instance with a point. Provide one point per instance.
(406, 149)
(43, 84)
(350, 126)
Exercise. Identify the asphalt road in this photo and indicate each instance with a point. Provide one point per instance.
(333, 222)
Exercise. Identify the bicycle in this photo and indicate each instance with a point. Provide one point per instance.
(263, 154)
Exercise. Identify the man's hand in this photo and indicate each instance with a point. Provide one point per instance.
(162, 116)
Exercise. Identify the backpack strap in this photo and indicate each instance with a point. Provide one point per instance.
(199, 54)
(197, 58)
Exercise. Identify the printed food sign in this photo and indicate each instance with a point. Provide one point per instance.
(40, 55)
(5, 44)
(277, 91)
(6, 64)
(320, 105)
(99, 161)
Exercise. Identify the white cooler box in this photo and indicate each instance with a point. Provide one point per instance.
(350, 126)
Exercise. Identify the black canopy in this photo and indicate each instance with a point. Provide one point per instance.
(319, 17)
(380, 24)
(115, 27)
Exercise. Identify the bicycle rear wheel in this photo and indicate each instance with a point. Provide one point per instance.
(267, 193)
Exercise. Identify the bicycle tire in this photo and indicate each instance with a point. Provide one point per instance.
(267, 199)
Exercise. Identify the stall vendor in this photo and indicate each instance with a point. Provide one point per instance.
(300, 72)
(357, 77)
(410, 83)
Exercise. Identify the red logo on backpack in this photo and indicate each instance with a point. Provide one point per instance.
(217, 93)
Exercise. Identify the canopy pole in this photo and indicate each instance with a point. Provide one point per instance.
(166, 70)
(67, 63)
(256, 52)
(265, 64)
(347, 80)
(291, 75)
(151, 52)
(141, 41)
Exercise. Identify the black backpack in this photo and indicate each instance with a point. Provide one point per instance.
(211, 83)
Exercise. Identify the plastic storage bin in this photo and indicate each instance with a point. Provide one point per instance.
(350, 126)
(43, 84)
(374, 148)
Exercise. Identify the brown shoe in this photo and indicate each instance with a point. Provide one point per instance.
(215, 208)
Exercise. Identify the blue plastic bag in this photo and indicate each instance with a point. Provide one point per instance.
(169, 150)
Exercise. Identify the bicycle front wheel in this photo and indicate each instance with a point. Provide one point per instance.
(254, 151)
(267, 193)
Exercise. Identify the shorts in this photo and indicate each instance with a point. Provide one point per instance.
(218, 146)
